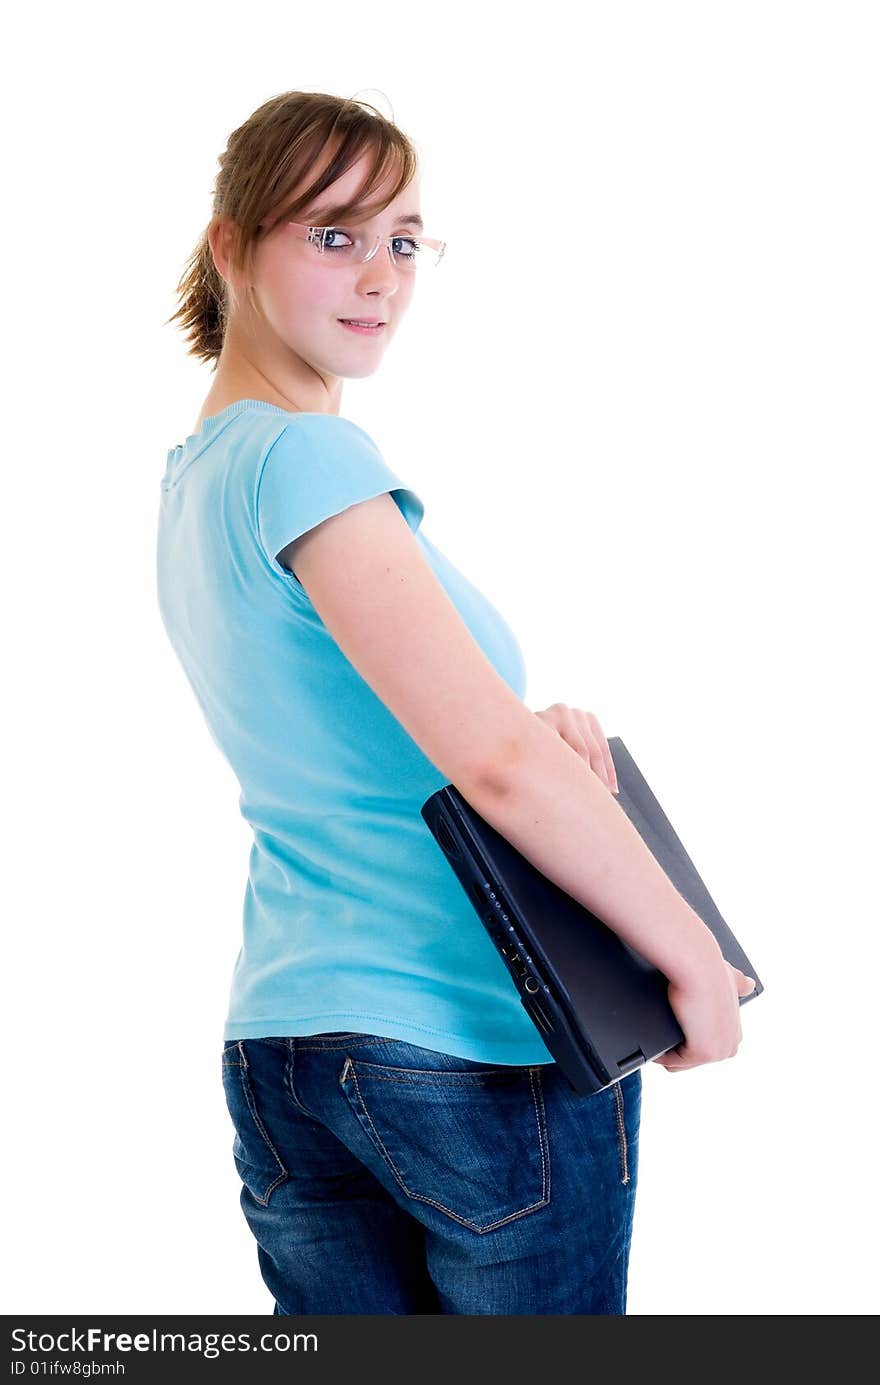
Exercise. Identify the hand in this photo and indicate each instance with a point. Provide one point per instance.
(708, 1012)
(581, 730)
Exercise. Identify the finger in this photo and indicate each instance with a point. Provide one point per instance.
(742, 984)
(671, 1067)
(576, 732)
(605, 750)
(580, 734)
(664, 1059)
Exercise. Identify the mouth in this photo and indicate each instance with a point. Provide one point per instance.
(368, 327)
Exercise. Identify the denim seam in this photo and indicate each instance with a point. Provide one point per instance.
(252, 1107)
(621, 1126)
(290, 1083)
(344, 1043)
(437, 1077)
(535, 1081)
(543, 1135)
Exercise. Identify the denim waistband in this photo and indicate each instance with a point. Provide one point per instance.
(332, 1039)
(339, 1038)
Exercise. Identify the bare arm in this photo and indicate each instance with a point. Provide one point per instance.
(380, 600)
(558, 813)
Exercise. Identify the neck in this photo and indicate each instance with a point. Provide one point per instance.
(278, 378)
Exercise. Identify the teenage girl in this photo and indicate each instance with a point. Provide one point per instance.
(404, 1139)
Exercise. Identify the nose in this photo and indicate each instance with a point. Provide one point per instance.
(378, 272)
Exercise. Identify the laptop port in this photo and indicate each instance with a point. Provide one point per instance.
(446, 839)
(540, 1016)
(632, 1061)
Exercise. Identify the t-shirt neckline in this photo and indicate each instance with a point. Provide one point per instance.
(212, 422)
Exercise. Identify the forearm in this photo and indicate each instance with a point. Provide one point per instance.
(559, 815)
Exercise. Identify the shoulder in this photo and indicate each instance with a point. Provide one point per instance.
(327, 430)
(323, 446)
(316, 466)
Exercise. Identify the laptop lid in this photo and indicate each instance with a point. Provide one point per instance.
(600, 1006)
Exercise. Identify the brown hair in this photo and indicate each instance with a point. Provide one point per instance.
(264, 160)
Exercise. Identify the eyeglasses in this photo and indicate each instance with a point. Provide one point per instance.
(338, 246)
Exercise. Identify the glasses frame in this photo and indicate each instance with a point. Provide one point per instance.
(312, 235)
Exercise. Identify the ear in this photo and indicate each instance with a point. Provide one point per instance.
(220, 233)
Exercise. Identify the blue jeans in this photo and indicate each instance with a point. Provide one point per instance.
(381, 1177)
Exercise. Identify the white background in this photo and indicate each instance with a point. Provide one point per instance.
(642, 416)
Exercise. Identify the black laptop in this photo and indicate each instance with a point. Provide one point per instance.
(600, 1007)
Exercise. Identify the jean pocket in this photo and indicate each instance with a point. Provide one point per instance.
(470, 1141)
(256, 1158)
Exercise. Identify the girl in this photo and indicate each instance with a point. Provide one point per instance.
(404, 1140)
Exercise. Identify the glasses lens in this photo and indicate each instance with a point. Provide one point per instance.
(411, 253)
(338, 246)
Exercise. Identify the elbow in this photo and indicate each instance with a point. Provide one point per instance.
(498, 773)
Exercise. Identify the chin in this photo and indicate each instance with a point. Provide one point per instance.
(364, 373)
(354, 369)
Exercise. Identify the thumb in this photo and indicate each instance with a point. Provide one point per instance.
(744, 983)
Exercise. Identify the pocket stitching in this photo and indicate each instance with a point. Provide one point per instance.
(242, 1065)
(540, 1114)
(381, 1072)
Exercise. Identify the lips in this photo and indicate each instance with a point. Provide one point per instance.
(354, 325)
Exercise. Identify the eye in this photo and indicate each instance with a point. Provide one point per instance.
(335, 231)
(406, 241)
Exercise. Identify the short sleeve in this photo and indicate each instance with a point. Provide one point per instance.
(318, 466)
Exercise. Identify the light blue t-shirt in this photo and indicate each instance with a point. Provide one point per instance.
(353, 918)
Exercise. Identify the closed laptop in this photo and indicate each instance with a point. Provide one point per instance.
(601, 1008)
